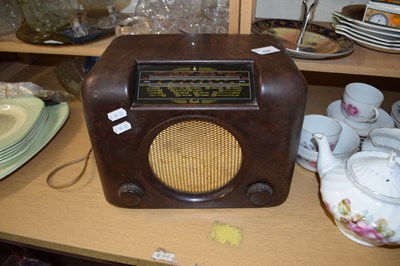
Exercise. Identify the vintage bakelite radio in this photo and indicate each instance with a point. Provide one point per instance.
(195, 121)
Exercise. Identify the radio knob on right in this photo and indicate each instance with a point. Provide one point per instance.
(259, 194)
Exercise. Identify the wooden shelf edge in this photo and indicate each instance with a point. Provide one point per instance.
(10, 43)
(324, 67)
(362, 61)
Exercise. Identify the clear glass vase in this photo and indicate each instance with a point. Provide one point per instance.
(165, 14)
(213, 17)
(10, 17)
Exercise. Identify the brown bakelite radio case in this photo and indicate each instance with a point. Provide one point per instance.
(195, 121)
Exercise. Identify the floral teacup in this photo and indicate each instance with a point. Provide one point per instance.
(361, 102)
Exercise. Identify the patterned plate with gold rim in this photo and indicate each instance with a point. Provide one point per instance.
(318, 43)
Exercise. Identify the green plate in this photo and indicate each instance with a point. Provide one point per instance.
(17, 117)
(21, 146)
(58, 114)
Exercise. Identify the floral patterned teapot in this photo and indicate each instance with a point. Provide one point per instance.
(362, 194)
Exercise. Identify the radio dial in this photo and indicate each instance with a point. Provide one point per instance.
(259, 194)
(130, 194)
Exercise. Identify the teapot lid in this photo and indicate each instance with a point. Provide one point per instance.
(376, 173)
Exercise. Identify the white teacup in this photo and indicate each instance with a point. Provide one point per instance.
(312, 124)
(361, 102)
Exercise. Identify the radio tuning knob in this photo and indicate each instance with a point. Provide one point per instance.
(259, 194)
(130, 194)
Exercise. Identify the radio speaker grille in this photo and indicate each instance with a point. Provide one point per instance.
(195, 156)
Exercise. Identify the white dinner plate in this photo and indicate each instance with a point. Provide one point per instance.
(354, 35)
(58, 114)
(363, 129)
(17, 117)
(366, 35)
(366, 24)
(370, 44)
(389, 36)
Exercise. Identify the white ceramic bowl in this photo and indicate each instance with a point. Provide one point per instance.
(383, 139)
(348, 144)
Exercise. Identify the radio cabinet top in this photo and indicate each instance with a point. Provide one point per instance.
(195, 121)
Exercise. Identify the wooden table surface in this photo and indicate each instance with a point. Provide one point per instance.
(79, 221)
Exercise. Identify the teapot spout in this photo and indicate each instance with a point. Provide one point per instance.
(326, 160)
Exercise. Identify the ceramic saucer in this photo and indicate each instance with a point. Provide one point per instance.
(363, 129)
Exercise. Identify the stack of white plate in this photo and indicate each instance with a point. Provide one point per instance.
(395, 113)
(21, 121)
(378, 37)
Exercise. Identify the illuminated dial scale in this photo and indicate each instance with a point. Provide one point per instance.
(194, 84)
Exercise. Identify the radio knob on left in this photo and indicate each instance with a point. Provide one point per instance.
(130, 194)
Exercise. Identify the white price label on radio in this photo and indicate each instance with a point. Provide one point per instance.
(117, 114)
(265, 50)
(121, 128)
